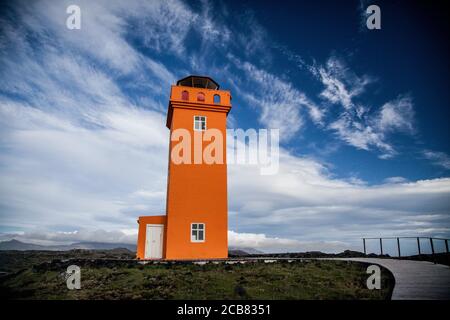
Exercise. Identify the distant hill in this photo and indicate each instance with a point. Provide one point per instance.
(18, 245)
(102, 246)
(243, 251)
(22, 246)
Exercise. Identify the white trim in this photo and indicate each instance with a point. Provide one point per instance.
(204, 232)
(206, 126)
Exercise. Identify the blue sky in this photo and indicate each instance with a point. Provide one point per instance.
(363, 117)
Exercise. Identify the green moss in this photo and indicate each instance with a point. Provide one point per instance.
(125, 280)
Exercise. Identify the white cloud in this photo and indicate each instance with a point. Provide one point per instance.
(360, 135)
(209, 29)
(308, 204)
(267, 244)
(280, 103)
(438, 158)
(163, 25)
(60, 172)
(356, 124)
(395, 180)
(341, 84)
(397, 115)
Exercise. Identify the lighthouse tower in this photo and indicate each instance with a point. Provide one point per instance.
(195, 224)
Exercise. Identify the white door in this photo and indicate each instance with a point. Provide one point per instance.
(154, 241)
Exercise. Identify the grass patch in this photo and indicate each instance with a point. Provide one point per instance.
(39, 278)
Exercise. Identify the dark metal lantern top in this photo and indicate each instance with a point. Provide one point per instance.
(198, 82)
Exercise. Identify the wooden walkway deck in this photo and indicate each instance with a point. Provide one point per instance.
(414, 280)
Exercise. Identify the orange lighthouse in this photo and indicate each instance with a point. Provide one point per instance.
(195, 223)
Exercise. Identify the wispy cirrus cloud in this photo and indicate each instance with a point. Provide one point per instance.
(281, 104)
(357, 123)
(396, 115)
(437, 158)
(341, 84)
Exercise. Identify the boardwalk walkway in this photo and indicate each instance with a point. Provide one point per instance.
(414, 279)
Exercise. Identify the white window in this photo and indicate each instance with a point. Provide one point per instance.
(197, 232)
(199, 123)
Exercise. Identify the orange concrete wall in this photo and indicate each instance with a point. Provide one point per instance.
(142, 233)
(197, 192)
(225, 96)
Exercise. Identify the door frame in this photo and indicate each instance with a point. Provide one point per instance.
(147, 250)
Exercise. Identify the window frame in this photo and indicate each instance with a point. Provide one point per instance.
(200, 121)
(198, 232)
